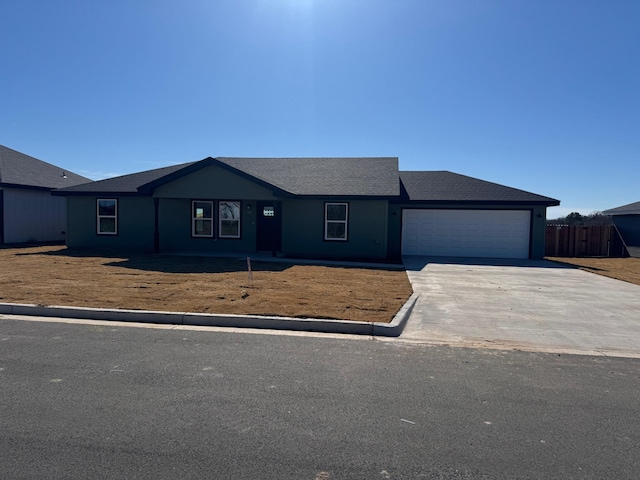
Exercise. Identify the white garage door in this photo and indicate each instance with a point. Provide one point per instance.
(466, 233)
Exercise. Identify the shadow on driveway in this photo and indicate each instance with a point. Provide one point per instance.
(418, 263)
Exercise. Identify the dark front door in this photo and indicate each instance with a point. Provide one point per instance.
(269, 227)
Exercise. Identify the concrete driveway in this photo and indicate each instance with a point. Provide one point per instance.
(528, 304)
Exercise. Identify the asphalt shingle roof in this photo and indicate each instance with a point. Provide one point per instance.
(18, 169)
(324, 176)
(297, 176)
(354, 177)
(631, 209)
(444, 186)
(126, 183)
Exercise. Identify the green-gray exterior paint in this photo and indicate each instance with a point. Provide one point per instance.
(135, 223)
(303, 229)
(175, 229)
(213, 182)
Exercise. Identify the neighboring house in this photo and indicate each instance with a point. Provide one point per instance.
(627, 221)
(307, 207)
(28, 212)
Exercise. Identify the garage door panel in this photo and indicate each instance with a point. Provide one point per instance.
(466, 233)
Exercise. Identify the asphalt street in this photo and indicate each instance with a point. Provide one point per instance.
(99, 400)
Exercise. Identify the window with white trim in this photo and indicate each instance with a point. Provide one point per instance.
(336, 216)
(201, 218)
(107, 216)
(229, 219)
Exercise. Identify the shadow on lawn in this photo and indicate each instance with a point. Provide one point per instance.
(206, 263)
(181, 264)
(166, 263)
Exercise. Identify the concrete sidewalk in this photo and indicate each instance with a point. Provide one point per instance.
(530, 305)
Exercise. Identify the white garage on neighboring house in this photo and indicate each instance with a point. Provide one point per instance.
(28, 211)
(445, 214)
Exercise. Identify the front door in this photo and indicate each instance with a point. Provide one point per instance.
(269, 235)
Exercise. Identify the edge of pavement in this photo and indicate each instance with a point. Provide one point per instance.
(391, 329)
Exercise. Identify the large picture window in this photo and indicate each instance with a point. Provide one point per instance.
(229, 219)
(336, 216)
(202, 219)
(107, 216)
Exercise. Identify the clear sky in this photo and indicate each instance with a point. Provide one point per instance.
(539, 95)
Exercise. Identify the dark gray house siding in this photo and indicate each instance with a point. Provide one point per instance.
(303, 229)
(175, 228)
(135, 223)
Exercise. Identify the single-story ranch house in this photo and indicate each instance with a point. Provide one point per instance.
(307, 207)
(627, 220)
(28, 212)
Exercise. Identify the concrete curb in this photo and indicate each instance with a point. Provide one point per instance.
(392, 329)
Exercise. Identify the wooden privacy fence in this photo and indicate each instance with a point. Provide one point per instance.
(584, 241)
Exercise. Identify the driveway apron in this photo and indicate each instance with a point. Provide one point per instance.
(522, 304)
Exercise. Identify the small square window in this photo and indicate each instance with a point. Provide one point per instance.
(268, 212)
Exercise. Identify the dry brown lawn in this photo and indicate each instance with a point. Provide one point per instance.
(627, 269)
(54, 275)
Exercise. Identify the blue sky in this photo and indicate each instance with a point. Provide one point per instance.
(539, 95)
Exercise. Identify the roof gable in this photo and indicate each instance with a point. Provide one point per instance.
(444, 186)
(630, 209)
(18, 169)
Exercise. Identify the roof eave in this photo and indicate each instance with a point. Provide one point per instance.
(611, 213)
(64, 193)
(27, 187)
(547, 203)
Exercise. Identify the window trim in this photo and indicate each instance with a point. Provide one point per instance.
(221, 219)
(327, 222)
(194, 219)
(99, 217)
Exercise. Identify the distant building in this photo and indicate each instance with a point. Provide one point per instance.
(28, 211)
(627, 220)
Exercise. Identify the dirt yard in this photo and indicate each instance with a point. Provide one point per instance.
(627, 269)
(57, 276)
